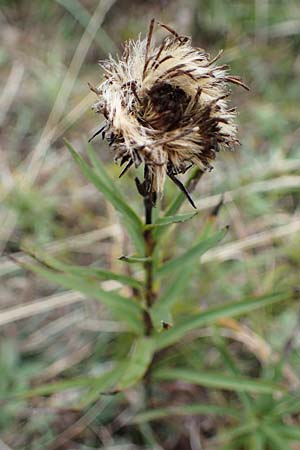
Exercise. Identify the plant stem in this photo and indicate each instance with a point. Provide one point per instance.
(144, 189)
(148, 266)
(150, 294)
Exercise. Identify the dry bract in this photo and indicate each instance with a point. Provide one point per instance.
(166, 107)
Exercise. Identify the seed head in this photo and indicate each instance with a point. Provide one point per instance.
(166, 107)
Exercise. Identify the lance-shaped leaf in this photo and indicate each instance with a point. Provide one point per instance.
(191, 255)
(101, 171)
(125, 309)
(161, 310)
(211, 315)
(87, 272)
(170, 220)
(90, 388)
(139, 361)
(218, 381)
(101, 181)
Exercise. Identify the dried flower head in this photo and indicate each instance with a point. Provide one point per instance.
(166, 107)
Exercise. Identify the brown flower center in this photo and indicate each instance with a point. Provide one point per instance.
(166, 104)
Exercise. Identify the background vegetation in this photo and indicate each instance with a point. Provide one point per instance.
(49, 51)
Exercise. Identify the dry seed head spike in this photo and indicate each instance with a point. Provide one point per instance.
(148, 44)
(166, 107)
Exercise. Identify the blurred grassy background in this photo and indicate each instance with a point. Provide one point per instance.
(49, 52)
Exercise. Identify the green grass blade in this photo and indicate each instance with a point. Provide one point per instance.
(274, 438)
(218, 381)
(82, 15)
(236, 433)
(192, 255)
(289, 432)
(184, 410)
(139, 361)
(246, 399)
(288, 405)
(125, 309)
(211, 315)
(257, 441)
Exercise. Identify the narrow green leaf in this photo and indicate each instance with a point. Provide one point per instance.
(211, 315)
(231, 365)
(101, 181)
(257, 441)
(136, 235)
(88, 272)
(161, 309)
(139, 361)
(123, 308)
(192, 255)
(169, 220)
(236, 433)
(288, 405)
(289, 432)
(106, 386)
(275, 439)
(149, 437)
(176, 286)
(101, 382)
(218, 381)
(135, 259)
(101, 274)
(184, 410)
(110, 192)
(101, 170)
(161, 315)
